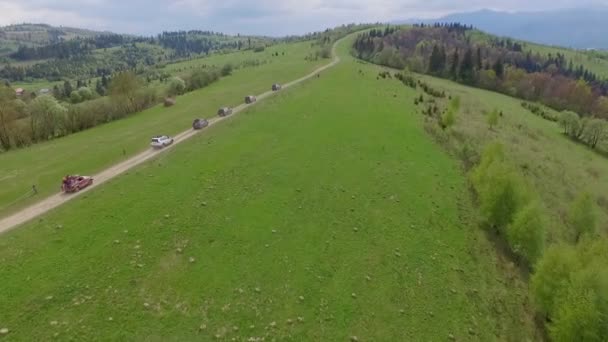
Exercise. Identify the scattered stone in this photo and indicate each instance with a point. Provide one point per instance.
(202, 327)
(354, 295)
(431, 314)
(273, 324)
(110, 319)
(289, 321)
(204, 204)
(146, 305)
(257, 289)
(167, 216)
(235, 328)
(398, 255)
(179, 250)
(471, 331)
(267, 245)
(300, 319)
(3, 331)
(125, 231)
(354, 339)
(116, 241)
(252, 326)
(451, 337)
(192, 260)
(274, 231)
(140, 265)
(355, 229)
(402, 311)
(453, 291)
(49, 297)
(368, 278)
(301, 298)
(137, 247)
(59, 226)
(54, 322)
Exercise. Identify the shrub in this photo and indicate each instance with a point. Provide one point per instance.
(501, 192)
(176, 86)
(552, 276)
(75, 97)
(581, 216)
(526, 235)
(227, 70)
(570, 122)
(492, 118)
(85, 93)
(447, 119)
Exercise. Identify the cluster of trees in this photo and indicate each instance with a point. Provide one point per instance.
(44, 117)
(590, 131)
(569, 284)
(507, 206)
(448, 51)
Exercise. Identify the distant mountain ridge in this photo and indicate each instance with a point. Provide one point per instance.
(582, 28)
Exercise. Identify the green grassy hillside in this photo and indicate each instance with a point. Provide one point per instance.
(321, 214)
(90, 151)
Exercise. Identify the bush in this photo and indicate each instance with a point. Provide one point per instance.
(260, 48)
(493, 118)
(447, 119)
(227, 70)
(85, 93)
(581, 217)
(570, 122)
(176, 86)
(570, 287)
(501, 192)
(552, 276)
(526, 235)
(75, 97)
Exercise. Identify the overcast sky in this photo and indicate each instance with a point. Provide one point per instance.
(269, 17)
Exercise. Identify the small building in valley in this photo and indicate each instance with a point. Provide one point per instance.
(19, 91)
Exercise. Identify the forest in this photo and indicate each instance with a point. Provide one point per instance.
(448, 51)
(83, 58)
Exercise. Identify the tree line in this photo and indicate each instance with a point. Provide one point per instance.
(499, 65)
(27, 121)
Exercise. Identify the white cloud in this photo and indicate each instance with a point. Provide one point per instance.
(247, 16)
(14, 13)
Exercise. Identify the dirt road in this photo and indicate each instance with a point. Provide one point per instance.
(58, 199)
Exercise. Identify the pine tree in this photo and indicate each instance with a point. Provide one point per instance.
(479, 60)
(454, 66)
(467, 73)
(67, 88)
(499, 68)
(435, 61)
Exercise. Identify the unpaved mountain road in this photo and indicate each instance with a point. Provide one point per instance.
(49, 203)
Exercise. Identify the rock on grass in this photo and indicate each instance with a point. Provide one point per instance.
(3, 331)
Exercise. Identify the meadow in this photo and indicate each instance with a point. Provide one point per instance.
(92, 150)
(557, 168)
(325, 213)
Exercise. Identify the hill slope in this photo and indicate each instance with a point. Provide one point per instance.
(317, 215)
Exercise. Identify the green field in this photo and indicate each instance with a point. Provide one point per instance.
(95, 149)
(320, 214)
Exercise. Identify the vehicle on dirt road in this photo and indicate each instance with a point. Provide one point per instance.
(276, 87)
(224, 111)
(161, 141)
(250, 99)
(75, 183)
(200, 123)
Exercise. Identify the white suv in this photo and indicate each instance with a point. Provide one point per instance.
(161, 141)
